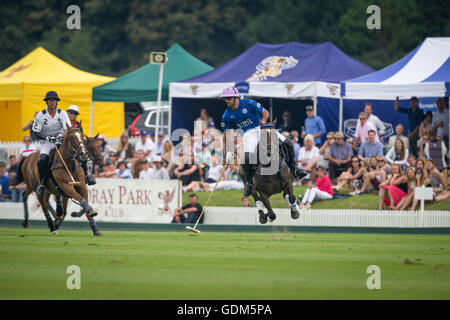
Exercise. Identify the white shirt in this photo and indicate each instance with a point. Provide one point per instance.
(146, 175)
(49, 126)
(373, 119)
(148, 145)
(214, 172)
(441, 116)
(26, 151)
(390, 157)
(305, 155)
(160, 174)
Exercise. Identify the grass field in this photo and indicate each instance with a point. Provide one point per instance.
(183, 265)
(232, 198)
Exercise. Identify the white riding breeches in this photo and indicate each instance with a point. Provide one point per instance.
(251, 139)
(46, 147)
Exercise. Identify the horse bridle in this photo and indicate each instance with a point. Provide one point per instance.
(75, 155)
(97, 160)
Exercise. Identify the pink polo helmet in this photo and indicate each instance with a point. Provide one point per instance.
(230, 92)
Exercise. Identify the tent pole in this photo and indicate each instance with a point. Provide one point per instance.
(341, 112)
(161, 72)
(315, 98)
(271, 109)
(91, 127)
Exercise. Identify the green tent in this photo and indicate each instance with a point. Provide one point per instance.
(142, 84)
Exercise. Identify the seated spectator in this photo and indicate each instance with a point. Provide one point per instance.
(214, 171)
(322, 159)
(146, 171)
(373, 119)
(398, 154)
(204, 158)
(159, 145)
(193, 210)
(433, 175)
(440, 121)
(426, 125)
(201, 123)
(159, 172)
(411, 161)
(314, 126)
(167, 155)
(370, 148)
(444, 195)
(353, 176)
(421, 180)
(373, 176)
(295, 142)
(5, 194)
(422, 143)
(17, 190)
(222, 184)
(322, 190)
(288, 123)
(435, 149)
(109, 168)
(411, 182)
(28, 148)
(393, 189)
(145, 144)
(246, 202)
(188, 172)
(105, 148)
(362, 131)
(124, 149)
(399, 130)
(339, 155)
(122, 171)
(307, 156)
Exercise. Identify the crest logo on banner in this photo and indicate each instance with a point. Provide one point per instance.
(333, 89)
(16, 69)
(289, 87)
(272, 67)
(194, 89)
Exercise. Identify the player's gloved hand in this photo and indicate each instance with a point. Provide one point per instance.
(59, 137)
(51, 139)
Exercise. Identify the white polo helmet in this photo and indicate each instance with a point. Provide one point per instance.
(74, 108)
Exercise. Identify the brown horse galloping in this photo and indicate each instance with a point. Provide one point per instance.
(73, 152)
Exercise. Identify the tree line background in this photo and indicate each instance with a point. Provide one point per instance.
(116, 36)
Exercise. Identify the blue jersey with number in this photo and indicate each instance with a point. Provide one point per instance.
(246, 117)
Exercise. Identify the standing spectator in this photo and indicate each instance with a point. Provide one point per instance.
(193, 209)
(322, 191)
(288, 124)
(415, 118)
(307, 157)
(295, 142)
(122, 171)
(5, 194)
(373, 119)
(435, 149)
(146, 171)
(393, 189)
(398, 135)
(353, 176)
(314, 125)
(398, 154)
(145, 144)
(125, 149)
(159, 172)
(29, 126)
(339, 156)
(362, 131)
(370, 148)
(440, 121)
(201, 123)
(426, 125)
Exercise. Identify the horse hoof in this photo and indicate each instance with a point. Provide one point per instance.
(295, 215)
(25, 224)
(271, 217)
(58, 218)
(98, 234)
(262, 218)
(54, 233)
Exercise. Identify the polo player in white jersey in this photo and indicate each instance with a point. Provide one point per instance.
(49, 126)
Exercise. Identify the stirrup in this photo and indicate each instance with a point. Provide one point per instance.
(40, 190)
(90, 180)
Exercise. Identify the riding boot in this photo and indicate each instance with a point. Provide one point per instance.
(18, 178)
(249, 170)
(290, 160)
(89, 179)
(43, 164)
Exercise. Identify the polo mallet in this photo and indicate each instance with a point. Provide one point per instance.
(73, 182)
(193, 229)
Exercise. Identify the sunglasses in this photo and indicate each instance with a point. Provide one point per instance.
(355, 160)
(362, 118)
(229, 98)
(380, 160)
(72, 112)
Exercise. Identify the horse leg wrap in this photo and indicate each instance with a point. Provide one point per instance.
(25, 210)
(294, 205)
(259, 205)
(93, 226)
(85, 205)
(50, 223)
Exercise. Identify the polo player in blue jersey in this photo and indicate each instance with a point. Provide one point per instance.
(247, 115)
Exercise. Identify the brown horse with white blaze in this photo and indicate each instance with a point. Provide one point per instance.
(65, 167)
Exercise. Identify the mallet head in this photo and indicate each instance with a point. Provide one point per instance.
(192, 229)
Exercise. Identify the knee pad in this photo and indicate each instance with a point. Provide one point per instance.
(43, 157)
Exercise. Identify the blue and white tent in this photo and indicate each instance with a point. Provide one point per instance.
(284, 71)
(424, 73)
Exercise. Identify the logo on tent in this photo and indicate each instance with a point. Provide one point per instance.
(194, 89)
(333, 89)
(272, 67)
(14, 70)
(289, 87)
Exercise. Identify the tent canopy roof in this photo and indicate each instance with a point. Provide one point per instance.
(34, 69)
(142, 84)
(288, 62)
